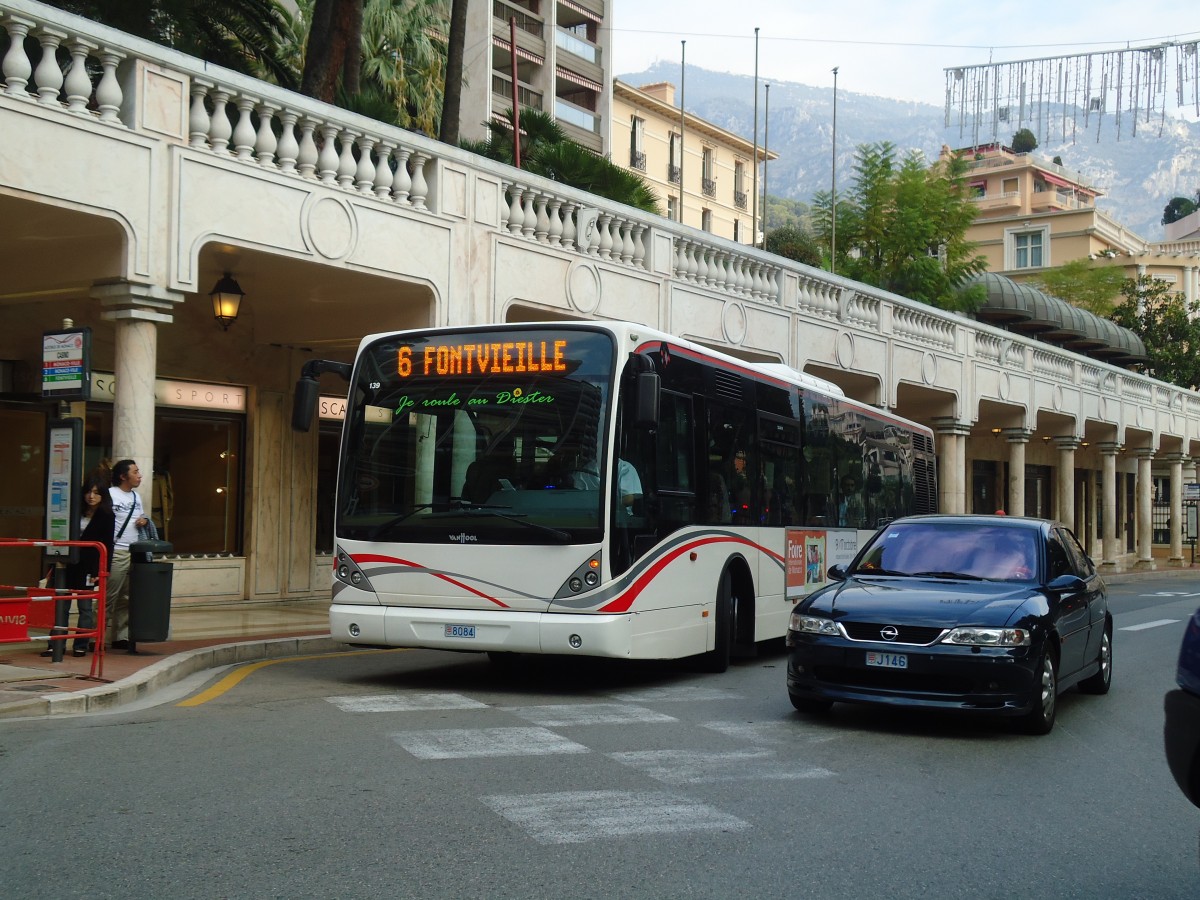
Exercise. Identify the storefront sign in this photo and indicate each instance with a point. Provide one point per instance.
(333, 409)
(185, 394)
(66, 364)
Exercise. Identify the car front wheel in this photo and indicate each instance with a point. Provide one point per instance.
(1040, 719)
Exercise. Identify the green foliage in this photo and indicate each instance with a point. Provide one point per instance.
(1084, 284)
(902, 226)
(1024, 141)
(794, 242)
(547, 151)
(1179, 207)
(1168, 326)
(403, 57)
(243, 35)
(782, 211)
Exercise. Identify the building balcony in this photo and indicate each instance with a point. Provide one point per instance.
(709, 186)
(585, 50)
(637, 160)
(502, 87)
(526, 21)
(740, 199)
(673, 174)
(1055, 200)
(993, 202)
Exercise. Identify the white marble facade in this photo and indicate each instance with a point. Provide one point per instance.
(122, 202)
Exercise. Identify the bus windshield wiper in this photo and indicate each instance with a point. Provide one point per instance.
(487, 510)
(382, 529)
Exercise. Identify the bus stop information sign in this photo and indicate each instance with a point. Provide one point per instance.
(67, 364)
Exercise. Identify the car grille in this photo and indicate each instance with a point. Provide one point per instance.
(909, 634)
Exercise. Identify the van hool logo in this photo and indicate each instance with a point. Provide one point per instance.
(463, 538)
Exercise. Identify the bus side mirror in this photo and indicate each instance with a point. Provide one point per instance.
(645, 401)
(304, 404)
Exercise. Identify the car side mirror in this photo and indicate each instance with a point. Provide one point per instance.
(837, 573)
(1067, 584)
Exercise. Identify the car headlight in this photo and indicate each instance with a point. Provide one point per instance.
(812, 624)
(988, 637)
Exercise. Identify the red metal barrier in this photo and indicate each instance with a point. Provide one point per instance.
(23, 607)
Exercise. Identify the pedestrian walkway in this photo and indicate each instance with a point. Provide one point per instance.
(203, 636)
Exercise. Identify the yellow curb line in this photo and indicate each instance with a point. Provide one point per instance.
(234, 678)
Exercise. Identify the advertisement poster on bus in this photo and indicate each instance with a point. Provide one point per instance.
(810, 553)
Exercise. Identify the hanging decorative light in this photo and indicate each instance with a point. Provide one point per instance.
(226, 297)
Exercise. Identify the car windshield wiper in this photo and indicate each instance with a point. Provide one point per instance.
(877, 572)
(962, 576)
(482, 510)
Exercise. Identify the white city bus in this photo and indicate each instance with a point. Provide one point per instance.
(600, 489)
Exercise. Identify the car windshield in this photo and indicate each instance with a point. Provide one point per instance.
(952, 550)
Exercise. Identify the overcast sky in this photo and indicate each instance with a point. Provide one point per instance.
(884, 47)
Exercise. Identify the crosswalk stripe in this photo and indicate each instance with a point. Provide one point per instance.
(404, 702)
(705, 767)
(565, 715)
(677, 693)
(576, 817)
(474, 743)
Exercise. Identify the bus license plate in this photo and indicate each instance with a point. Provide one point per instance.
(460, 631)
(887, 660)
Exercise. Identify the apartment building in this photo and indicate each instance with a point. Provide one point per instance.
(703, 173)
(562, 52)
(1034, 214)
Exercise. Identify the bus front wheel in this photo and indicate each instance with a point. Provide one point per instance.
(717, 659)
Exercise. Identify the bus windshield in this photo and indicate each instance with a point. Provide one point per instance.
(477, 436)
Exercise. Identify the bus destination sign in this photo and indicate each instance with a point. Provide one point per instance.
(500, 358)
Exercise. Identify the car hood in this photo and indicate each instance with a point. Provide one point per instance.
(923, 601)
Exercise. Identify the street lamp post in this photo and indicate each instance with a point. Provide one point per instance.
(833, 191)
(754, 200)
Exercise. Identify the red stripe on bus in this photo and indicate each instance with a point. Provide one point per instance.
(623, 602)
(375, 558)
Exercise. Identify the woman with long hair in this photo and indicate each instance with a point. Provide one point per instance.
(96, 523)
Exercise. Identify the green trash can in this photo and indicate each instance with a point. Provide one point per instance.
(149, 591)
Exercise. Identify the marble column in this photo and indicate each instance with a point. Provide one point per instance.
(1017, 439)
(1066, 479)
(136, 311)
(952, 463)
(1108, 488)
(1176, 461)
(1144, 493)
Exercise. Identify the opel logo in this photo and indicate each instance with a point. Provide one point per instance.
(889, 632)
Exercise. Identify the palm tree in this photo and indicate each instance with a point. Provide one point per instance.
(400, 72)
(243, 35)
(546, 150)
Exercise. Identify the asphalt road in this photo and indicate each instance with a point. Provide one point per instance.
(422, 774)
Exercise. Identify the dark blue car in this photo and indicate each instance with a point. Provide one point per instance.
(1181, 733)
(984, 615)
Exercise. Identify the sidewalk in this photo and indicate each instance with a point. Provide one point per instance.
(203, 636)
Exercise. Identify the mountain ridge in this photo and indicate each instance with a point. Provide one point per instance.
(1137, 175)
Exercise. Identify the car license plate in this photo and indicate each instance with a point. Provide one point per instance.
(887, 660)
(460, 631)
